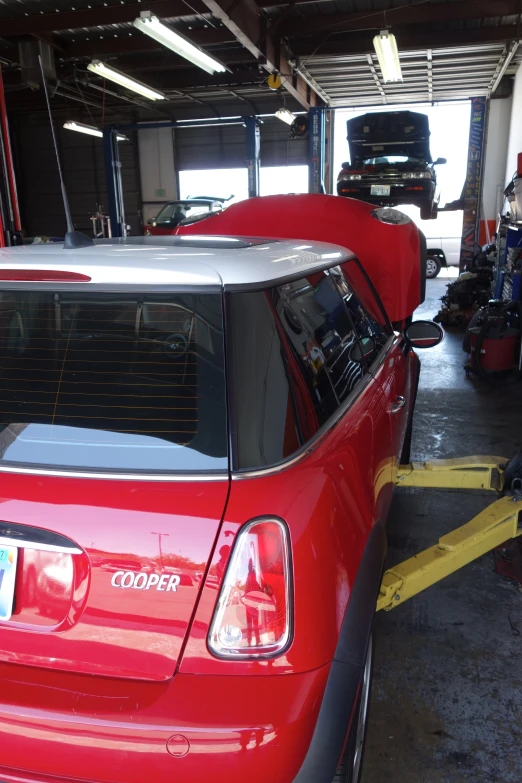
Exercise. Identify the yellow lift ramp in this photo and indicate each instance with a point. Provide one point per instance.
(492, 527)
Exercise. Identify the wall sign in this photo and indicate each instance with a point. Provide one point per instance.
(473, 185)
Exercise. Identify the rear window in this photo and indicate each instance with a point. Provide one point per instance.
(112, 382)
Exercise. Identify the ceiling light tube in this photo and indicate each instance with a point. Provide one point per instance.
(107, 72)
(388, 55)
(153, 27)
(285, 115)
(90, 130)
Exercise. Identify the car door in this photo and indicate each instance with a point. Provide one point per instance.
(389, 362)
(332, 346)
(451, 248)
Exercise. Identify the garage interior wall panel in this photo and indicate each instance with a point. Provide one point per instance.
(82, 160)
(277, 149)
(157, 169)
(224, 146)
(496, 156)
(217, 147)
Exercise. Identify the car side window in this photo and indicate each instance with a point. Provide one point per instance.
(364, 305)
(295, 354)
(322, 338)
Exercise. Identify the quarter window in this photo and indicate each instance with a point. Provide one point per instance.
(265, 427)
(296, 354)
(322, 337)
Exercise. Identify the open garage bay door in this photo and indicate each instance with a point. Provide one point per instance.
(429, 74)
(224, 147)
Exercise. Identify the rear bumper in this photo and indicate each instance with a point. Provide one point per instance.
(192, 729)
(409, 192)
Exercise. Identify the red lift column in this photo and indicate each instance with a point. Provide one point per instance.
(10, 223)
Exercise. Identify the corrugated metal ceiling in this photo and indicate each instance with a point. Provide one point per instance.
(441, 73)
(429, 75)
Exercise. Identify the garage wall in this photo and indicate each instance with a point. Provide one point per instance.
(515, 128)
(496, 158)
(157, 171)
(82, 160)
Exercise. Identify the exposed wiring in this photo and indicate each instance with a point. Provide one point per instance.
(366, 16)
(83, 98)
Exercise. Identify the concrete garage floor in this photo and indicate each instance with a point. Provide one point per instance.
(447, 691)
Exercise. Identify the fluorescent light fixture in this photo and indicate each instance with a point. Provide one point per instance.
(285, 115)
(90, 130)
(153, 27)
(388, 55)
(107, 72)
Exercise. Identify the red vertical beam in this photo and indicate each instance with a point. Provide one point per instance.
(9, 157)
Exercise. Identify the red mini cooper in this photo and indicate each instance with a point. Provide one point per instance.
(198, 442)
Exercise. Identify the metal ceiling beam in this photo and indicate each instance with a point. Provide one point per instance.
(94, 17)
(109, 44)
(195, 78)
(245, 20)
(362, 42)
(403, 15)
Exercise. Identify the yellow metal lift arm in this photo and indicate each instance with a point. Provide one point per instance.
(496, 524)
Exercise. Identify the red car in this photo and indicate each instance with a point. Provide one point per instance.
(173, 212)
(227, 412)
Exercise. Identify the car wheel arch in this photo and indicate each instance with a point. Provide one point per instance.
(438, 254)
(327, 743)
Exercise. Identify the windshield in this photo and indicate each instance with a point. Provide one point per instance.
(392, 159)
(113, 382)
(176, 211)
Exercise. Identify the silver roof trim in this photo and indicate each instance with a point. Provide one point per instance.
(196, 263)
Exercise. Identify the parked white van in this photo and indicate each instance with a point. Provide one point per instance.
(442, 251)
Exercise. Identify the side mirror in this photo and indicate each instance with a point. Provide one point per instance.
(440, 161)
(150, 221)
(424, 334)
(363, 349)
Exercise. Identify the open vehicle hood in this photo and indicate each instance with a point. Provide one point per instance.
(389, 133)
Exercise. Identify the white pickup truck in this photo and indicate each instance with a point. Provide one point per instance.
(442, 251)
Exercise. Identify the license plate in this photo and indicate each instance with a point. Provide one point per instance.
(8, 558)
(380, 190)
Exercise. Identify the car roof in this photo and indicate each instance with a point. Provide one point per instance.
(176, 261)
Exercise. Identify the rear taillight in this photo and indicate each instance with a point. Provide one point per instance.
(253, 614)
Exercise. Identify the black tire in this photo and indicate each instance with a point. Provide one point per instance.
(428, 212)
(350, 768)
(433, 266)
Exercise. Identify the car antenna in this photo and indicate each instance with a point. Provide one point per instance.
(73, 239)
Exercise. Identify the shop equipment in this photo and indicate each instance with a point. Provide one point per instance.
(498, 523)
(493, 340)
